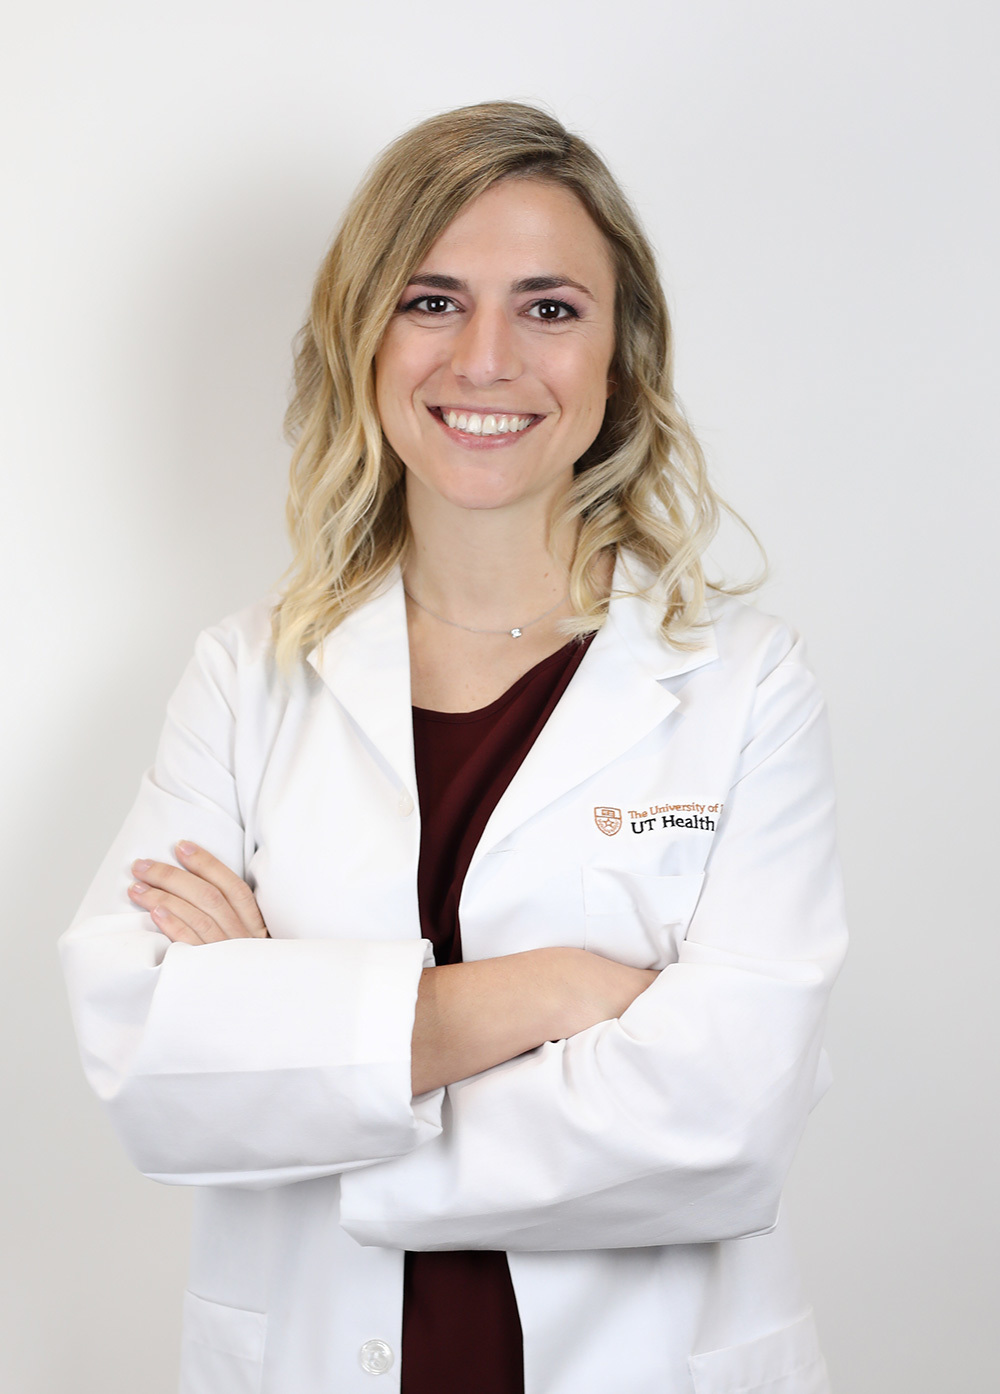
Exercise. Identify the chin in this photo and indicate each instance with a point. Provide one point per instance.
(475, 489)
(480, 500)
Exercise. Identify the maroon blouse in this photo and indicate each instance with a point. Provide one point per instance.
(461, 1328)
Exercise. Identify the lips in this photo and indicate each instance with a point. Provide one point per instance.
(472, 422)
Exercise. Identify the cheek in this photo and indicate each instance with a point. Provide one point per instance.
(398, 370)
(583, 387)
(386, 373)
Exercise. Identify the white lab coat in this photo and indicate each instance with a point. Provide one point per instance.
(633, 1172)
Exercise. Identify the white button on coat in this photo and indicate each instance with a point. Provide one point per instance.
(405, 804)
(376, 1357)
(676, 811)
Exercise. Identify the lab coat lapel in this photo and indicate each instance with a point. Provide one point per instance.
(365, 662)
(615, 698)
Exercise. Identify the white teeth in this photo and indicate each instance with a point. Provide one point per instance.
(489, 425)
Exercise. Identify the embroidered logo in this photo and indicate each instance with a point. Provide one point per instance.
(675, 815)
(609, 820)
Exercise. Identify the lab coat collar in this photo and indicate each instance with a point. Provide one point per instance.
(614, 699)
(365, 662)
(636, 619)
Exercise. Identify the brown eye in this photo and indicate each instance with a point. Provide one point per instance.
(430, 304)
(552, 311)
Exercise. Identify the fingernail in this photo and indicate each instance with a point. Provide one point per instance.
(158, 912)
(141, 866)
(139, 888)
(186, 849)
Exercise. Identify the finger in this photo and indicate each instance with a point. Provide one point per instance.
(171, 910)
(198, 893)
(236, 891)
(175, 930)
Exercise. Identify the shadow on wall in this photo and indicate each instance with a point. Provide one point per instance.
(197, 346)
(203, 345)
(190, 366)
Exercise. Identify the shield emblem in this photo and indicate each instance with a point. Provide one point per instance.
(609, 820)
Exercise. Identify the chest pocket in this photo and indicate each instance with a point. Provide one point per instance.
(636, 918)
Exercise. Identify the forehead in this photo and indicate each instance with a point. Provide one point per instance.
(529, 226)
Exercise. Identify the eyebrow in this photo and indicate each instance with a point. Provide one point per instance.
(530, 283)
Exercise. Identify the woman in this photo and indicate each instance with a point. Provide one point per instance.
(484, 903)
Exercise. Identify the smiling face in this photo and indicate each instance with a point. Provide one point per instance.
(492, 376)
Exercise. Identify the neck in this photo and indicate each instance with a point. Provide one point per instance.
(488, 567)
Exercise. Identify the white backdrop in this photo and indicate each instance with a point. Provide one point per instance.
(820, 181)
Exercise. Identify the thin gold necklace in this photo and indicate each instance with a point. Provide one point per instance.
(514, 633)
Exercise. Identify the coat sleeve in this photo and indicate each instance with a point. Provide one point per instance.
(249, 1062)
(677, 1123)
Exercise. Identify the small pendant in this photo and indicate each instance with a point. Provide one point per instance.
(515, 634)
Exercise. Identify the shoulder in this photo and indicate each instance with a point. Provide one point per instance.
(244, 636)
(765, 658)
(745, 634)
(233, 661)
(732, 633)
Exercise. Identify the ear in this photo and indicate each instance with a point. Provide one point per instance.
(612, 385)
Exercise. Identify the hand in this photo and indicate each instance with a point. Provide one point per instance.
(471, 1016)
(199, 902)
(596, 988)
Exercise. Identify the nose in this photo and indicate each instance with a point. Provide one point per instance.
(485, 350)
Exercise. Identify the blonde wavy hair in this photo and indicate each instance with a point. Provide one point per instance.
(642, 485)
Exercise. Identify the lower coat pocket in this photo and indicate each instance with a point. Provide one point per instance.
(787, 1361)
(222, 1350)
